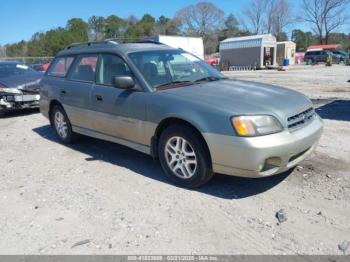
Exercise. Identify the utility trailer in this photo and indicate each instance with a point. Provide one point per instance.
(258, 51)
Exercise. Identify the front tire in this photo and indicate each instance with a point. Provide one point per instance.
(310, 61)
(62, 125)
(184, 156)
(2, 113)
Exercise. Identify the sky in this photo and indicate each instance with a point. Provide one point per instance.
(20, 19)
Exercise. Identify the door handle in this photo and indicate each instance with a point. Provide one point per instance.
(63, 92)
(98, 97)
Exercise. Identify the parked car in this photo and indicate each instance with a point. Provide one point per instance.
(212, 60)
(319, 56)
(19, 86)
(40, 67)
(171, 105)
(342, 55)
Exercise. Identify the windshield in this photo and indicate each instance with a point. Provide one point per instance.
(172, 68)
(340, 53)
(11, 69)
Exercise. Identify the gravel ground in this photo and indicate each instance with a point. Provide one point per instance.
(315, 81)
(96, 197)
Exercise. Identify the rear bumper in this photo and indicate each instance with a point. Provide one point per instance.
(263, 156)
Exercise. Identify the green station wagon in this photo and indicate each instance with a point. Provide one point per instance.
(171, 105)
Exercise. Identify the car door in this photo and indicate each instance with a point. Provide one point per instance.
(118, 112)
(76, 92)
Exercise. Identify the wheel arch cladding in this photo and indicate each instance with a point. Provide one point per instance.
(53, 103)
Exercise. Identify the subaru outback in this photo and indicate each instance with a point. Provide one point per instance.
(171, 105)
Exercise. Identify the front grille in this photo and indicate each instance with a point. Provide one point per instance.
(301, 118)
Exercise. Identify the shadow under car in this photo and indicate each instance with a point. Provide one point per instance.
(227, 187)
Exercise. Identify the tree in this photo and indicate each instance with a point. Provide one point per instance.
(114, 26)
(167, 26)
(231, 28)
(2, 51)
(17, 49)
(142, 28)
(325, 16)
(97, 28)
(203, 19)
(301, 39)
(162, 23)
(279, 17)
(254, 12)
(147, 23)
(335, 15)
(231, 25)
(78, 29)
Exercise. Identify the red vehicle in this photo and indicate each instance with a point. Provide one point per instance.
(212, 60)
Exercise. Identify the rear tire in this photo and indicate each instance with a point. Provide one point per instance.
(184, 157)
(2, 113)
(62, 125)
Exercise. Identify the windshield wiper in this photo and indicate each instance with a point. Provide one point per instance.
(172, 83)
(209, 78)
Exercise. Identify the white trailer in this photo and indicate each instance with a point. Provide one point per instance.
(193, 45)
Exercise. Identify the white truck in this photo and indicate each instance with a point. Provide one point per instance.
(193, 45)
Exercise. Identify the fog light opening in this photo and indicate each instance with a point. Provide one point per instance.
(271, 163)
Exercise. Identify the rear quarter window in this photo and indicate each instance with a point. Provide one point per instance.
(60, 66)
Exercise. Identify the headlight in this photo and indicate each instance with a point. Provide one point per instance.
(10, 90)
(256, 125)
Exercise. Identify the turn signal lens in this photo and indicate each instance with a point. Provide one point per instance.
(256, 125)
(244, 127)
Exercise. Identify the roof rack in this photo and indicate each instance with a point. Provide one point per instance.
(128, 40)
(115, 41)
(87, 44)
(149, 41)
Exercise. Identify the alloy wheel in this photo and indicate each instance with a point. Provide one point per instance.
(180, 157)
(61, 124)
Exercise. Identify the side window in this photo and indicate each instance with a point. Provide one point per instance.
(111, 66)
(61, 66)
(85, 68)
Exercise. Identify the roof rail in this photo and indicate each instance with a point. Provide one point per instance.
(150, 41)
(87, 44)
(142, 40)
(114, 41)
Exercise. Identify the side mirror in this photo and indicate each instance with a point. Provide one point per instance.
(123, 82)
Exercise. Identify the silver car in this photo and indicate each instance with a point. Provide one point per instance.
(19, 87)
(171, 105)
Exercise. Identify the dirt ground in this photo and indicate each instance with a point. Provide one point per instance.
(95, 197)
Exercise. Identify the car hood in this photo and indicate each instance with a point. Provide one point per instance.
(27, 82)
(244, 97)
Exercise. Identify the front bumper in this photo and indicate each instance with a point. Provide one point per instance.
(16, 101)
(265, 155)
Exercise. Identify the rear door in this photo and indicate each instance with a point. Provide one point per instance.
(319, 56)
(118, 112)
(76, 92)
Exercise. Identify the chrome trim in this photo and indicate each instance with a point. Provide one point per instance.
(301, 119)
